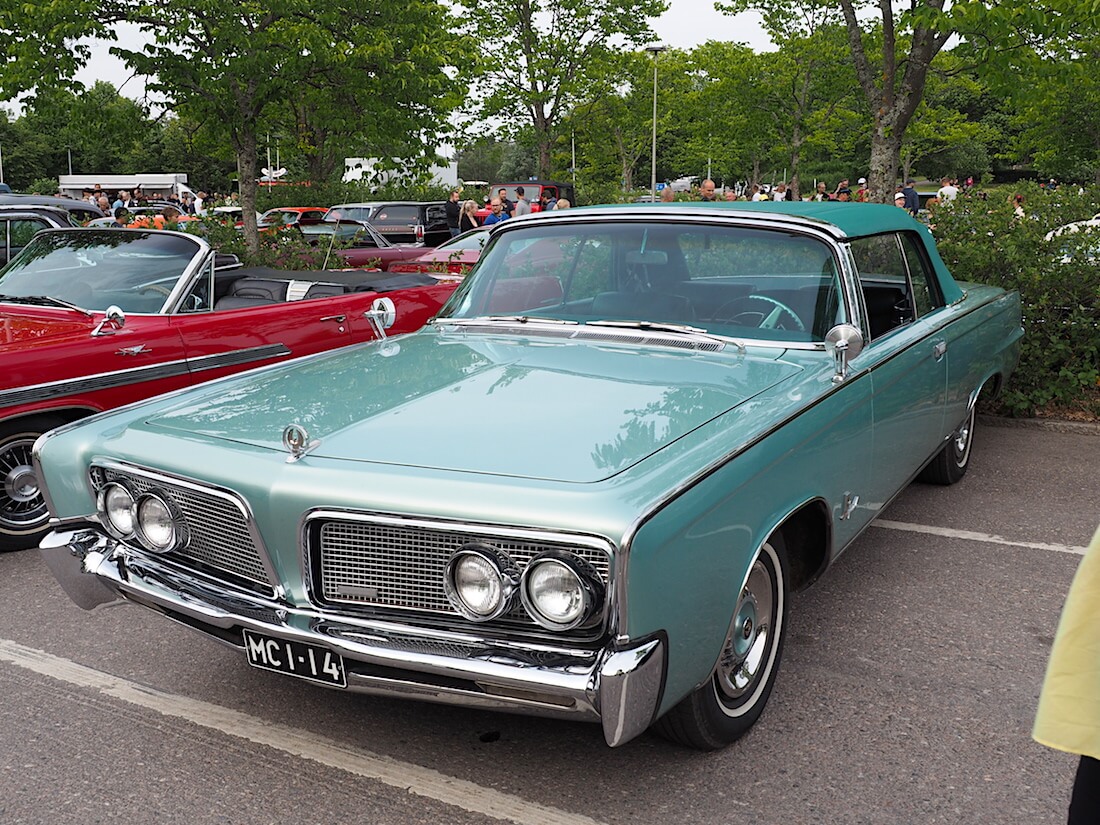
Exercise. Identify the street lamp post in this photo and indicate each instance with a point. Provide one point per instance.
(655, 51)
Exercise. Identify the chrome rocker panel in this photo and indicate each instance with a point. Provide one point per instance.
(618, 686)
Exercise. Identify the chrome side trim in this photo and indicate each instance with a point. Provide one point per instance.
(136, 375)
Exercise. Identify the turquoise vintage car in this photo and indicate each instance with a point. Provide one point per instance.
(585, 490)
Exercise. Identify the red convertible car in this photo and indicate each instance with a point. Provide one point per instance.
(369, 247)
(92, 319)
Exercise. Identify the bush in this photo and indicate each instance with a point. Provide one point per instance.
(983, 240)
(281, 248)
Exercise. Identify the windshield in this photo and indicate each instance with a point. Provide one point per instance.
(350, 213)
(729, 280)
(531, 192)
(96, 268)
(474, 240)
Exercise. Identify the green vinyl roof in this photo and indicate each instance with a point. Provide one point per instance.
(851, 219)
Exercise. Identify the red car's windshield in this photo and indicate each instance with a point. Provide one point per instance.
(97, 268)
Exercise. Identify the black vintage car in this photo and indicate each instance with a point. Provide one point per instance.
(81, 210)
(18, 224)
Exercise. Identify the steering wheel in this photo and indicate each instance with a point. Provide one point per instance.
(158, 288)
(761, 312)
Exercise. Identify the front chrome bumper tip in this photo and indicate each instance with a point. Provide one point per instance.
(619, 686)
(73, 557)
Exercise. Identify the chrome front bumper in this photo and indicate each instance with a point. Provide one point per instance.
(619, 686)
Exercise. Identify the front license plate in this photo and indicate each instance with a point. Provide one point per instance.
(295, 658)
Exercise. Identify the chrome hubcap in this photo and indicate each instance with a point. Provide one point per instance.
(21, 503)
(962, 439)
(746, 649)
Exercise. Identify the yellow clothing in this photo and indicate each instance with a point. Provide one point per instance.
(1068, 718)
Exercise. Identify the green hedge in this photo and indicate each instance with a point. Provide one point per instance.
(982, 239)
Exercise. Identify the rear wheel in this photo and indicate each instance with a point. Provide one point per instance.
(950, 463)
(724, 708)
(23, 512)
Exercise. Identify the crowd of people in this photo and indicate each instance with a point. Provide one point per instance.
(462, 217)
(133, 207)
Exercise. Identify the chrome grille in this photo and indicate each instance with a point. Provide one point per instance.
(400, 566)
(219, 536)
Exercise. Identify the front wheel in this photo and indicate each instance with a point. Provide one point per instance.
(950, 463)
(722, 710)
(23, 513)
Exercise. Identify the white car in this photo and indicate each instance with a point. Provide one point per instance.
(1069, 246)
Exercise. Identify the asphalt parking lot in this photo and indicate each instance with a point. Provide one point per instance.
(906, 695)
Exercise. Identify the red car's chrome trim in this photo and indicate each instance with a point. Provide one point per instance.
(153, 372)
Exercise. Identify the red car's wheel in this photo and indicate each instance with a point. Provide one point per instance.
(23, 513)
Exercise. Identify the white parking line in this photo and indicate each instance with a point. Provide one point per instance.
(408, 777)
(986, 538)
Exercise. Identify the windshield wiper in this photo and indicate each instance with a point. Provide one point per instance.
(43, 301)
(682, 329)
(511, 319)
(657, 326)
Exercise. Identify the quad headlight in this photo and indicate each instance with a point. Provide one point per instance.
(116, 506)
(561, 591)
(159, 526)
(480, 581)
(150, 518)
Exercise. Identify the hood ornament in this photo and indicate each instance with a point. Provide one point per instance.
(297, 442)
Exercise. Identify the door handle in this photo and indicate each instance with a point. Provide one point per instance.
(337, 318)
(939, 350)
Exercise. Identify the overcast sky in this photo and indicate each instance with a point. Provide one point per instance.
(685, 25)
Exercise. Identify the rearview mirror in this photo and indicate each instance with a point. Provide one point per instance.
(113, 320)
(845, 342)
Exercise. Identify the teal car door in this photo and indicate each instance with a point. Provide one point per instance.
(908, 358)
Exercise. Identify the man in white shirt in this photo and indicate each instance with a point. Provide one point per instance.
(948, 191)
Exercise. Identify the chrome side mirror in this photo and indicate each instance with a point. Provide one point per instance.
(382, 315)
(113, 321)
(845, 342)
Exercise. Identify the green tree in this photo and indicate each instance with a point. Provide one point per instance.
(538, 56)
(231, 66)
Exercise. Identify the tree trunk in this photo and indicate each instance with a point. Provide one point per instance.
(246, 163)
(882, 177)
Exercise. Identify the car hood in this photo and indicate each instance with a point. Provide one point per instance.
(557, 410)
(25, 327)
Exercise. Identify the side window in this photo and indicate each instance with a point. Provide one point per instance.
(926, 288)
(198, 299)
(23, 230)
(884, 280)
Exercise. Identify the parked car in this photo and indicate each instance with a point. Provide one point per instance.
(455, 257)
(292, 216)
(532, 190)
(1076, 242)
(82, 211)
(368, 247)
(93, 319)
(400, 222)
(585, 490)
(18, 224)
